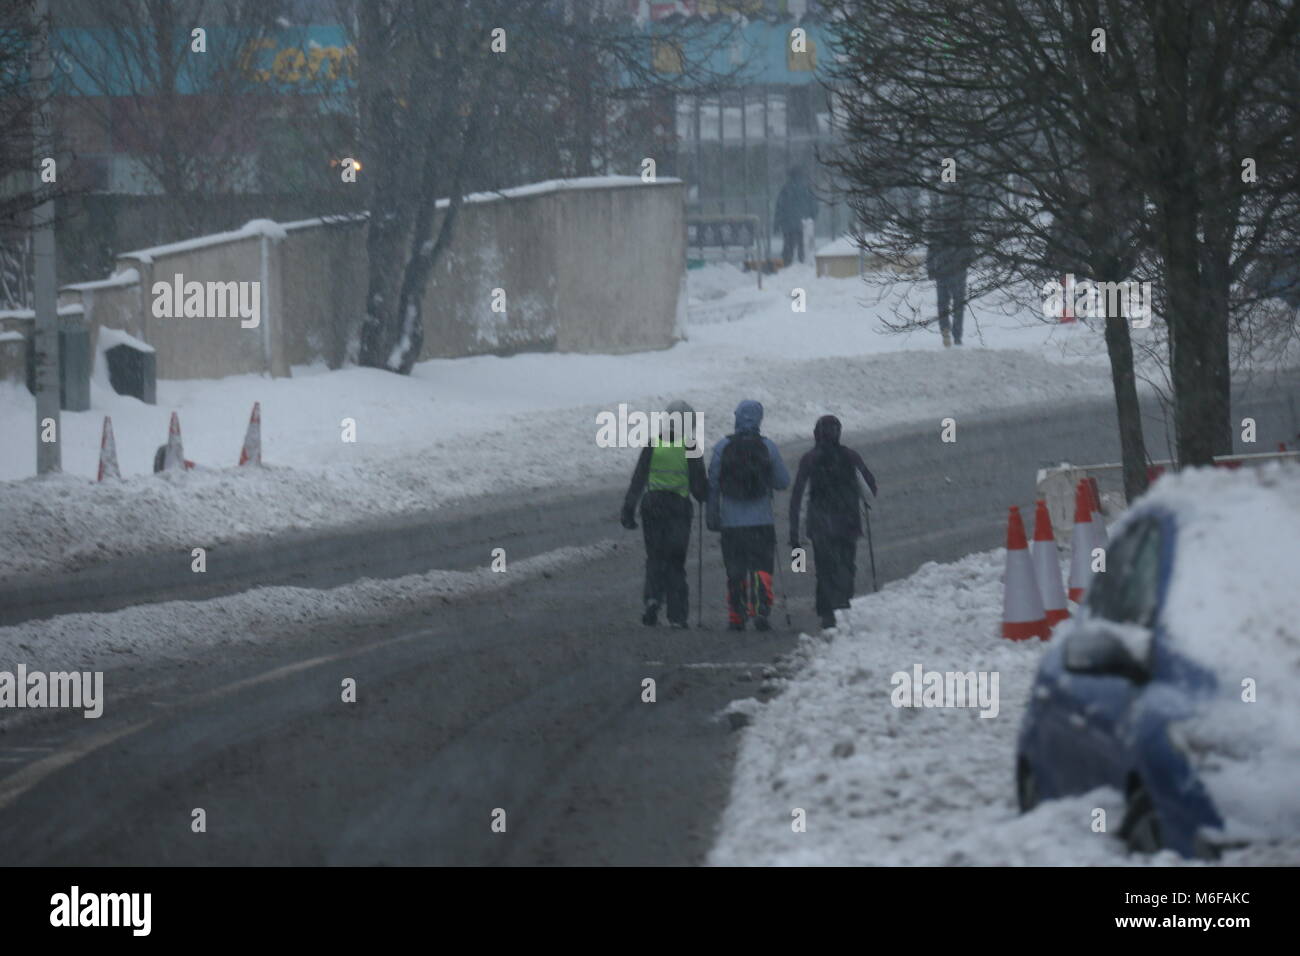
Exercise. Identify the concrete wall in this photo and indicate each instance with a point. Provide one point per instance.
(322, 287)
(13, 356)
(507, 244)
(632, 242)
(586, 266)
(207, 347)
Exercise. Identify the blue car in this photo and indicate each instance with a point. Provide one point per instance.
(1109, 690)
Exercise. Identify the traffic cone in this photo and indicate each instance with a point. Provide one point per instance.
(1081, 542)
(1022, 607)
(175, 455)
(1047, 567)
(108, 453)
(251, 453)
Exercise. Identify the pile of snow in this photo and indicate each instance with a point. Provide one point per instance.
(150, 633)
(890, 785)
(1234, 606)
(454, 429)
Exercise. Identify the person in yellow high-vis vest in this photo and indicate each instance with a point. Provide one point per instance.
(664, 482)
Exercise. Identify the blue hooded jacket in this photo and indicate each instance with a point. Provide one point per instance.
(724, 512)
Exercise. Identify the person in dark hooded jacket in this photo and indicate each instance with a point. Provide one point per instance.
(664, 481)
(837, 479)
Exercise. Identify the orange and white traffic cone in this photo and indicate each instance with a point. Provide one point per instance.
(108, 453)
(175, 454)
(1082, 541)
(1047, 567)
(251, 453)
(1022, 607)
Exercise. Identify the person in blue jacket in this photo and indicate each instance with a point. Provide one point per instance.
(744, 471)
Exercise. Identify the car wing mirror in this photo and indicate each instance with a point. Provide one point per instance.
(1107, 649)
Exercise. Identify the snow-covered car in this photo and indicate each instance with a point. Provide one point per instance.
(1178, 682)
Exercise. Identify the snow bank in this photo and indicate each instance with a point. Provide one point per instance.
(153, 632)
(911, 786)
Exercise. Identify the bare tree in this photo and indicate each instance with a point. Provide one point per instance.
(21, 187)
(457, 95)
(1070, 121)
(948, 110)
(175, 81)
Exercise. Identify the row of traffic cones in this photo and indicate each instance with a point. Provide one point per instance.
(1034, 599)
(173, 453)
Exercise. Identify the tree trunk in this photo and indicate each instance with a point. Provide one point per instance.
(381, 329)
(1202, 378)
(1133, 451)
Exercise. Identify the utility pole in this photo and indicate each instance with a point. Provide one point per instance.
(49, 455)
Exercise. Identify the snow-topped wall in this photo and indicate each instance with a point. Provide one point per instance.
(587, 265)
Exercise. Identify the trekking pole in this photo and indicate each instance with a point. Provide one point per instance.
(785, 595)
(699, 569)
(871, 549)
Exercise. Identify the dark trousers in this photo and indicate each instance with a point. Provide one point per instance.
(836, 561)
(791, 242)
(749, 554)
(952, 297)
(666, 527)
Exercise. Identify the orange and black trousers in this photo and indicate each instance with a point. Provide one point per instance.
(748, 554)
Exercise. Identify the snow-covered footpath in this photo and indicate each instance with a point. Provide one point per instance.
(886, 785)
(461, 428)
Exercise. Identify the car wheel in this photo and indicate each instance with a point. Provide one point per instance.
(1026, 787)
(1141, 826)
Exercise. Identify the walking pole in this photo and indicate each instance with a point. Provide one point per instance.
(785, 596)
(871, 549)
(780, 577)
(699, 569)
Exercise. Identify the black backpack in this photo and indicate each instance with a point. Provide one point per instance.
(746, 468)
(833, 481)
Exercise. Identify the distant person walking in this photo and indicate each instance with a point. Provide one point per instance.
(794, 203)
(948, 256)
(837, 480)
(744, 471)
(664, 481)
